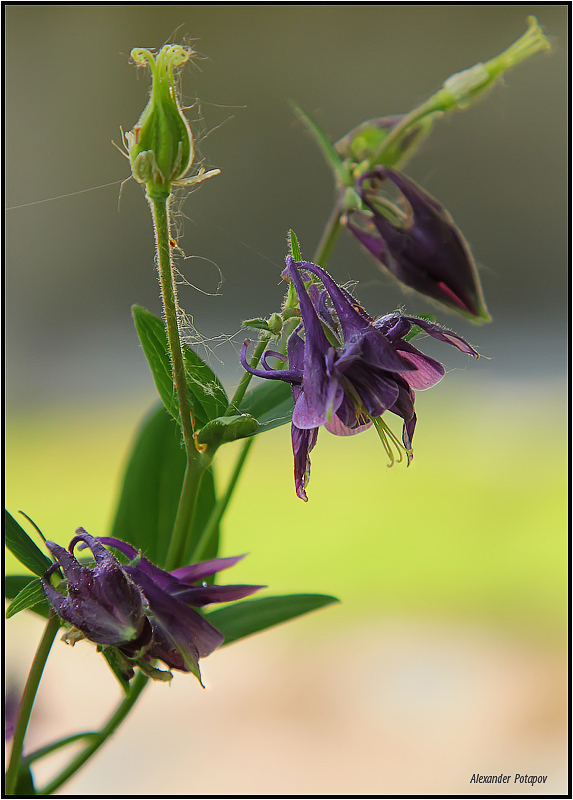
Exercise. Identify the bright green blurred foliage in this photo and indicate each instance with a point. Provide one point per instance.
(475, 528)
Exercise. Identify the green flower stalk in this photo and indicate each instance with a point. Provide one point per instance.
(161, 152)
(160, 146)
(458, 92)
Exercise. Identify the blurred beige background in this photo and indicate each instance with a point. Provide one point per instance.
(447, 655)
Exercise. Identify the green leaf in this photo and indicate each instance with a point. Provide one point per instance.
(27, 597)
(151, 332)
(294, 246)
(227, 429)
(206, 394)
(326, 146)
(152, 486)
(258, 323)
(13, 584)
(207, 397)
(20, 544)
(270, 403)
(251, 616)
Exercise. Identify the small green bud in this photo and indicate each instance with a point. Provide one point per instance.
(275, 323)
(225, 429)
(160, 147)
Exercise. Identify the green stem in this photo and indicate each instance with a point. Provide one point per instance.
(139, 683)
(195, 466)
(428, 108)
(27, 702)
(329, 237)
(185, 513)
(222, 503)
(48, 749)
(161, 223)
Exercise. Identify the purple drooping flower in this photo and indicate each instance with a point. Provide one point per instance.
(347, 379)
(140, 609)
(102, 602)
(427, 252)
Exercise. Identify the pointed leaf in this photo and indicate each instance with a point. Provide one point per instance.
(27, 597)
(20, 544)
(251, 616)
(257, 323)
(151, 332)
(270, 403)
(294, 246)
(13, 584)
(326, 146)
(152, 486)
(206, 394)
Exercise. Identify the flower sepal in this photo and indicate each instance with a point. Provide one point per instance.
(364, 146)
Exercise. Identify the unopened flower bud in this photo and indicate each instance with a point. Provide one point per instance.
(275, 323)
(160, 146)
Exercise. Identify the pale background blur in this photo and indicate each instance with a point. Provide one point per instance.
(447, 655)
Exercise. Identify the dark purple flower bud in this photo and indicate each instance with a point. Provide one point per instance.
(102, 602)
(427, 252)
(348, 387)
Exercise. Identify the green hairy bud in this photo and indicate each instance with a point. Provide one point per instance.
(160, 147)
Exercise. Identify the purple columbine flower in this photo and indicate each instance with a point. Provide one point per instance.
(143, 611)
(426, 251)
(350, 368)
(102, 602)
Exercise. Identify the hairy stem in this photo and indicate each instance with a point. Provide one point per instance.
(161, 223)
(138, 685)
(195, 466)
(27, 701)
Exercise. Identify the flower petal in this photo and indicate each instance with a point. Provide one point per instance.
(429, 372)
(338, 427)
(198, 596)
(196, 572)
(443, 335)
(302, 443)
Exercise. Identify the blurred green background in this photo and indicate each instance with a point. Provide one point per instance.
(474, 532)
